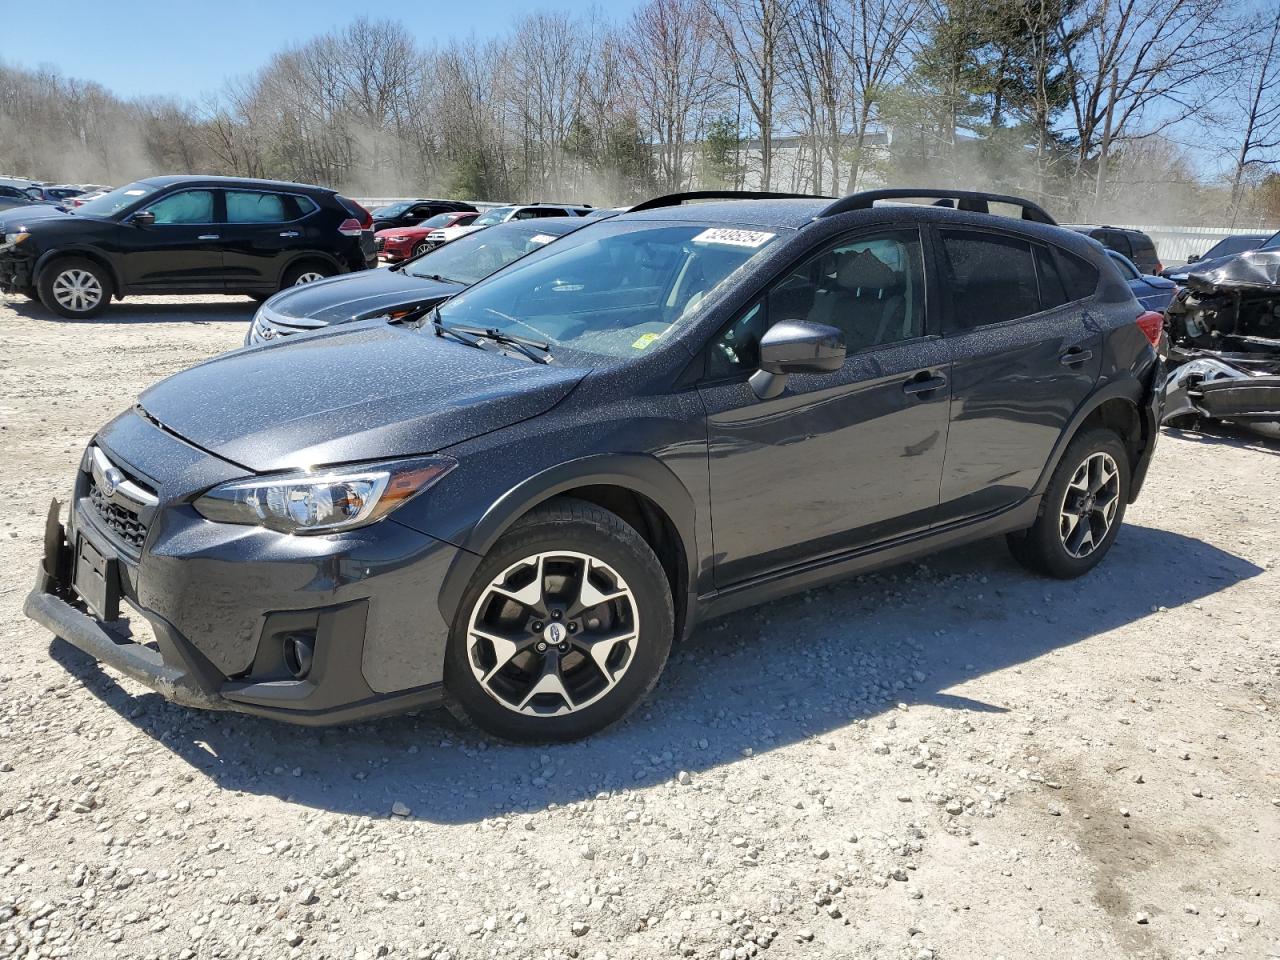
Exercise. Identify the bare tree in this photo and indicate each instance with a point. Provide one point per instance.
(1257, 97)
(669, 50)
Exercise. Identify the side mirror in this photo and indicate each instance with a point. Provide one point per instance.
(143, 218)
(796, 346)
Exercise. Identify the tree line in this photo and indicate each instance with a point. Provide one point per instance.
(1109, 109)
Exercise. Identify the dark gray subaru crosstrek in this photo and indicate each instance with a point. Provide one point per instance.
(521, 498)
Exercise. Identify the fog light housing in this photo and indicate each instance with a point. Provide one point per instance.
(299, 654)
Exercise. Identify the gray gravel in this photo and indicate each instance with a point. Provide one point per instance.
(947, 760)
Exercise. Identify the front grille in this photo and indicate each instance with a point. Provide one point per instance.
(124, 523)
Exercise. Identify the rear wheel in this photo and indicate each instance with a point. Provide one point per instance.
(1082, 509)
(305, 273)
(564, 627)
(75, 288)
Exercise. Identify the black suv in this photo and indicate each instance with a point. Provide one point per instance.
(523, 497)
(184, 235)
(410, 213)
(1134, 244)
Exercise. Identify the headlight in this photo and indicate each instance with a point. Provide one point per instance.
(324, 501)
(13, 239)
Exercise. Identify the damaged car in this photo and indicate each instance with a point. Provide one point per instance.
(1224, 342)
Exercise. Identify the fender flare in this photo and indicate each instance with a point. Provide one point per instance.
(86, 253)
(1126, 387)
(639, 473)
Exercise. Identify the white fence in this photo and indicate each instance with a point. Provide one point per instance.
(1175, 244)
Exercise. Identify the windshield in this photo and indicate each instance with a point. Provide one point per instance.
(496, 215)
(1273, 243)
(477, 255)
(391, 210)
(612, 289)
(116, 200)
(439, 220)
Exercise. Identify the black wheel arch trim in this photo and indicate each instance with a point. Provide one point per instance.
(89, 253)
(638, 473)
(1125, 387)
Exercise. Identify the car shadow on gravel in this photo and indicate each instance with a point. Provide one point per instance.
(193, 310)
(743, 685)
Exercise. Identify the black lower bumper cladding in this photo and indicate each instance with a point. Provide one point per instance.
(332, 691)
(1224, 333)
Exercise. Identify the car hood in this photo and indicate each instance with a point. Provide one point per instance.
(352, 394)
(353, 296)
(1255, 270)
(406, 231)
(26, 213)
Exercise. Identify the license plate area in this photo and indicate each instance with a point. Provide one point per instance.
(97, 580)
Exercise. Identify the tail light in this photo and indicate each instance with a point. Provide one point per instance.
(360, 220)
(1152, 326)
(1159, 267)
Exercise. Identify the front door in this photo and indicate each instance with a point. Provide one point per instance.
(1025, 354)
(182, 250)
(836, 461)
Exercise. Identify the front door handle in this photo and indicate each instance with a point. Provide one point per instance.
(924, 383)
(291, 233)
(1075, 355)
(208, 236)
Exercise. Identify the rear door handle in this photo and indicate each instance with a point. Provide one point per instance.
(208, 236)
(1074, 356)
(291, 233)
(924, 384)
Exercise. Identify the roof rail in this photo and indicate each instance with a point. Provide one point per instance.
(975, 201)
(675, 199)
(558, 203)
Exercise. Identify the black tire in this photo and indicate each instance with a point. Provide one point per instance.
(60, 280)
(421, 248)
(313, 268)
(1043, 548)
(260, 297)
(31, 293)
(581, 528)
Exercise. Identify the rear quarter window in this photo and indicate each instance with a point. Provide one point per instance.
(1079, 276)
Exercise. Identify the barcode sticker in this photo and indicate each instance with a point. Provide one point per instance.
(734, 238)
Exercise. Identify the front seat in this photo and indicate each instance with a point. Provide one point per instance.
(864, 299)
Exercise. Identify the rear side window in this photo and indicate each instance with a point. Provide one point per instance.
(990, 278)
(1052, 291)
(1117, 241)
(245, 207)
(1079, 276)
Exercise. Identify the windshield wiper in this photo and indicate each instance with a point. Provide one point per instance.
(522, 345)
(461, 335)
(439, 279)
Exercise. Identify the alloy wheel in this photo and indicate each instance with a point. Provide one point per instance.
(311, 276)
(77, 290)
(553, 633)
(1089, 505)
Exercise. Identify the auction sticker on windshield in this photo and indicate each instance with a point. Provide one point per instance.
(734, 238)
(541, 238)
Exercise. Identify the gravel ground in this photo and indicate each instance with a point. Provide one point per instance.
(948, 760)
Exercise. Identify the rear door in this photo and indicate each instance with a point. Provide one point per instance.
(182, 250)
(262, 233)
(1025, 354)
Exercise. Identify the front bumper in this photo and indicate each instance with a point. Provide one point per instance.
(17, 273)
(222, 603)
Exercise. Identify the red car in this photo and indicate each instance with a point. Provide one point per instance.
(401, 243)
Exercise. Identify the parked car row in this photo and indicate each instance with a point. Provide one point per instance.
(507, 494)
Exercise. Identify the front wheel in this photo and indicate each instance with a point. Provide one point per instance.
(421, 248)
(1082, 509)
(564, 627)
(75, 288)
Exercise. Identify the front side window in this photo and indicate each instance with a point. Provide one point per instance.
(250, 207)
(990, 278)
(189, 206)
(612, 289)
(870, 288)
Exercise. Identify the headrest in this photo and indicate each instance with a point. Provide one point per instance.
(865, 270)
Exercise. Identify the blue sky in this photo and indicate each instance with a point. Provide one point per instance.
(188, 47)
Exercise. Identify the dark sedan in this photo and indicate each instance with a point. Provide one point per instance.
(412, 285)
(1153, 292)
